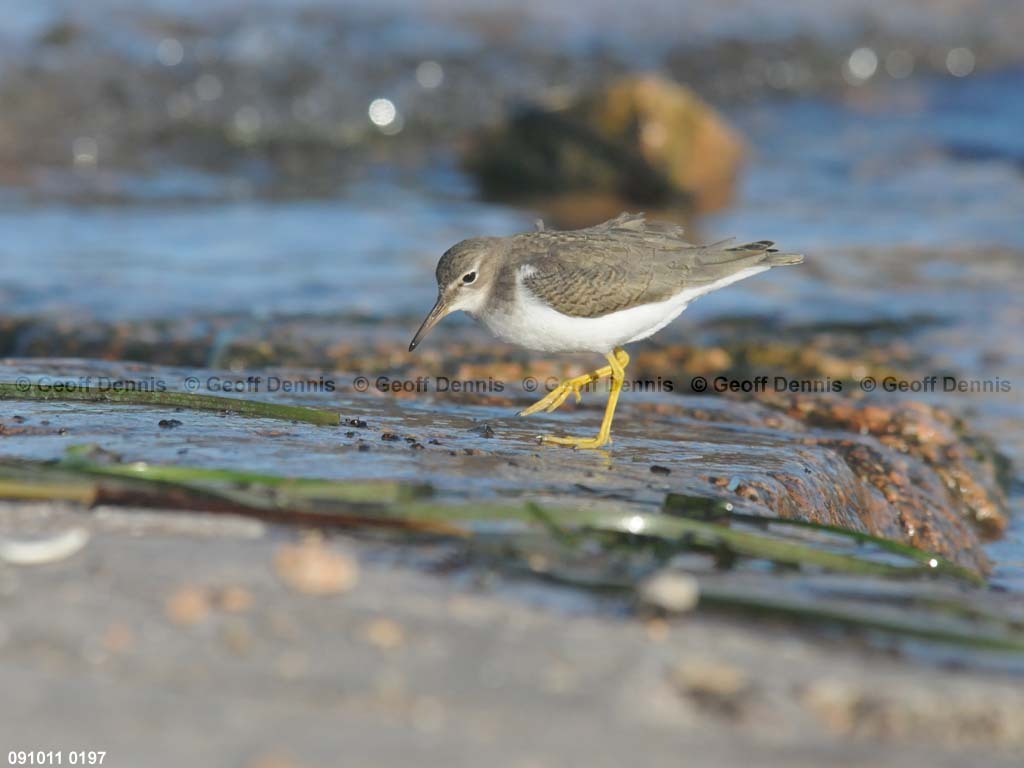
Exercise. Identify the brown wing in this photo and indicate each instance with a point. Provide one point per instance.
(627, 262)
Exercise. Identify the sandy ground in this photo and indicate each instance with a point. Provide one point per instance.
(172, 639)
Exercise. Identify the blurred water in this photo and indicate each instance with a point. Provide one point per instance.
(933, 163)
(370, 253)
(586, 22)
(825, 177)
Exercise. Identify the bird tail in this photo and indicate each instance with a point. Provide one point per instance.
(782, 259)
(772, 256)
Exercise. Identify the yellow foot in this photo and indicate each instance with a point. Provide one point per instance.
(585, 443)
(574, 386)
(554, 399)
(617, 362)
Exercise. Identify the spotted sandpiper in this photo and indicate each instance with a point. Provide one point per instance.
(588, 290)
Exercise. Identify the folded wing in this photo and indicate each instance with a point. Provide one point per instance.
(627, 262)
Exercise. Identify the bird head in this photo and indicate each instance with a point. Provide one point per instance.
(465, 275)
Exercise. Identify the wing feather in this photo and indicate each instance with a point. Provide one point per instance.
(627, 262)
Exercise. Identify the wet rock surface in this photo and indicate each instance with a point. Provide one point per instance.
(403, 667)
(906, 466)
(899, 472)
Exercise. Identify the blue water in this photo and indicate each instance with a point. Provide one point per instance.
(938, 163)
(366, 253)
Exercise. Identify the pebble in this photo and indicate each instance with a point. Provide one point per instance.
(717, 679)
(234, 599)
(386, 634)
(188, 606)
(315, 569)
(670, 591)
(42, 551)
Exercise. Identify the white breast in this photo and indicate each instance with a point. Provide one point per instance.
(531, 323)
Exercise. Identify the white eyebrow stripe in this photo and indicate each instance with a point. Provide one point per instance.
(527, 270)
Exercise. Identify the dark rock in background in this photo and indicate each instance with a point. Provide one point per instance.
(643, 139)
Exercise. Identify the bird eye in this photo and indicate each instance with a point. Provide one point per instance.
(469, 277)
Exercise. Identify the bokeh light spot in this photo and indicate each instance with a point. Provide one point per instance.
(861, 66)
(960, 62)
(382, 112)
(429, 74)
(170, 52)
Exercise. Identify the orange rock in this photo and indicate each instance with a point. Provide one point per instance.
(234, 599)
(677, 133)
(644, 139)
(189, 605)
(315, 569)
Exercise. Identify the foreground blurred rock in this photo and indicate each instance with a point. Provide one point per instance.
(409, 663)
(643, 139)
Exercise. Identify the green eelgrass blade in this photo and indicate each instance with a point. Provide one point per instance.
(282, 499)
(701, 508)
(252, 408)
(399, 502)
(285, 488)
(863, 619)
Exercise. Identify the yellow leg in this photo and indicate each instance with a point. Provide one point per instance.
(617, 362)
(554, 399)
